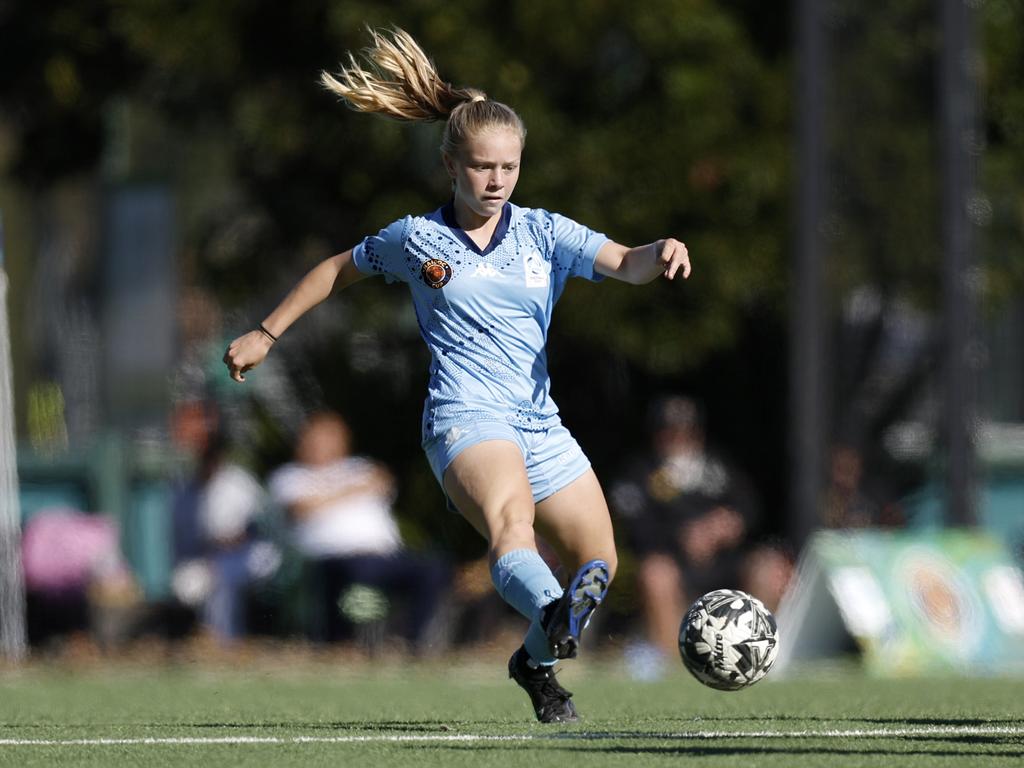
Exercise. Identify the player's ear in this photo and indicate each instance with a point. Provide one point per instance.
(449, 164)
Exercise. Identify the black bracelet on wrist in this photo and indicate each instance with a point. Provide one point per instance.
(265, 332)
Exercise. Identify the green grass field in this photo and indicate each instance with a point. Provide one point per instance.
(470, 715)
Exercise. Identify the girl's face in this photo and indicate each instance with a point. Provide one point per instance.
(485, 171)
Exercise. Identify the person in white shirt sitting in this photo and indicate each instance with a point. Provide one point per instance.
(339, 506)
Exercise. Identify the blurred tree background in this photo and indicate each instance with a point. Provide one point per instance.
(669, 117)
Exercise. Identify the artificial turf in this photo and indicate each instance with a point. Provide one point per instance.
(359, 713)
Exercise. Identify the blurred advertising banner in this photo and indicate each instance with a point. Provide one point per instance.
(909, 602)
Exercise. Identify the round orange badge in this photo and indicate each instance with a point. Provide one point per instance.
(437, 273)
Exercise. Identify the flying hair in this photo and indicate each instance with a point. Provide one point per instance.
(397, 79)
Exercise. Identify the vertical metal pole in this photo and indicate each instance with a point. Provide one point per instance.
(807, 391)
(13, 643)
(958, 140)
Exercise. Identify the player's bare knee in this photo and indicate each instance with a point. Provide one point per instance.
(511, 528)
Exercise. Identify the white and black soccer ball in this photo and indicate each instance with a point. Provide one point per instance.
(728, 639)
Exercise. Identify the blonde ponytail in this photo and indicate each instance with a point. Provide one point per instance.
(398, 80)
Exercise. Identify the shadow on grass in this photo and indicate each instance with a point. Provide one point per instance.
(891, 721)
(967, 738)
(706, 750)
(965, 721)
(687, 726)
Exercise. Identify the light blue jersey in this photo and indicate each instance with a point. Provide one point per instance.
(484, 314)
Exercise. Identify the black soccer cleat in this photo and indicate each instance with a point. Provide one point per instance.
(551, 702)
(565, 619)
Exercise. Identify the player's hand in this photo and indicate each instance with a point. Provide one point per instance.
(673, 256)
(245, 353)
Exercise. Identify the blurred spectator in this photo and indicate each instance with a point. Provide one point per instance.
(270, 406)
(341, 521)
(688, 517)
(219, 555)
(847, 502)
(76, 577)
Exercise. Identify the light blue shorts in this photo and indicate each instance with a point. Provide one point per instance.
(553, 457)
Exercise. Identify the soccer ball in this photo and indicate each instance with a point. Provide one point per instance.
(728, 640)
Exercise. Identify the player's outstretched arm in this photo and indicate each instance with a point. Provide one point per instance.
(644, 263)
(249, 349)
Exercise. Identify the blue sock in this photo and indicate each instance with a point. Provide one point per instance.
(537, 645)
(525, 582)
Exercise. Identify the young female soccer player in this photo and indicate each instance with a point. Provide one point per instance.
(484, 275)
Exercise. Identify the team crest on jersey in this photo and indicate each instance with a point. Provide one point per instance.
(537, 270)
(437, 273)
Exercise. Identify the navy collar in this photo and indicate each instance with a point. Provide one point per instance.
(448, 214)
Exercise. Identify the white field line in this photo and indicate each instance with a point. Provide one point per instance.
(854, 733)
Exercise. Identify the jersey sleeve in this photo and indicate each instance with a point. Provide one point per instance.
(383, 253)
(575, 248)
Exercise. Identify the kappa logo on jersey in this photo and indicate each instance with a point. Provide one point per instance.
(487, 271)
(437, 273)
(537, 270)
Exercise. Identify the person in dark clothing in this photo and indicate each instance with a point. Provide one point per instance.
(688, 516)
